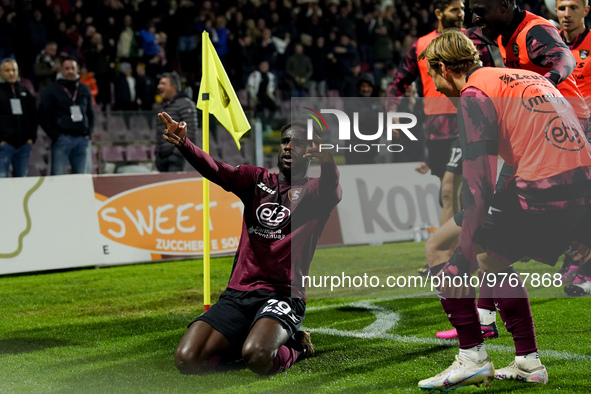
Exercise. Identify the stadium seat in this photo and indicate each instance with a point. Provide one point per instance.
(140, 129)
(137, 153)
(152, 151)
(100, 134)
(112, 153)
(116, 128)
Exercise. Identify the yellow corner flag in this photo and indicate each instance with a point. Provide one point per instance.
(223, 102)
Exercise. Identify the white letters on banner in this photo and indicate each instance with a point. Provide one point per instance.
(384, 202)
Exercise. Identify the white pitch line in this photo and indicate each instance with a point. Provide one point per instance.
(386, 320)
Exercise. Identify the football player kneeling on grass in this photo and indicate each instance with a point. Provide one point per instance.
(545, 204)
(258, 317)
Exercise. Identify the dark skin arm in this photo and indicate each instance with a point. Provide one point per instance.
(174, 132)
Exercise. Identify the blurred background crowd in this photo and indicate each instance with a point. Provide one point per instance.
(272, 50)
(165, 35)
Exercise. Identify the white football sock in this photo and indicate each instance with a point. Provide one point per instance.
(487, 317)
(528, 362)
(476, 354)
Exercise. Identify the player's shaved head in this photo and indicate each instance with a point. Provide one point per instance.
(493, 16)
(496, 3)
(300, 124)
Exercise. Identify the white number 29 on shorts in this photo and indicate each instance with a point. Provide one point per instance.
(277, 307)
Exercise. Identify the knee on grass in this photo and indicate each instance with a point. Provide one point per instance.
(190, 362)
(258, 360)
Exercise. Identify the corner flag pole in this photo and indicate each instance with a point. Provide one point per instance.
(216, 95)
(206, 235)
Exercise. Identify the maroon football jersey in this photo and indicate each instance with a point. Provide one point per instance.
(281, 224)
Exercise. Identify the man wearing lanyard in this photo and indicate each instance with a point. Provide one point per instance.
(18, 121)
(67, 116)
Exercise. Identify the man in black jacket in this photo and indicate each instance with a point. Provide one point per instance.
(18, 121)
(67, 116)
(181, 108)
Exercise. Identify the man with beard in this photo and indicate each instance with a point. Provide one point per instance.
(67, 117)
(444, 155)
(258, 316)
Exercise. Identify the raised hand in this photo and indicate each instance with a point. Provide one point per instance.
(174, 132)
(315, 151)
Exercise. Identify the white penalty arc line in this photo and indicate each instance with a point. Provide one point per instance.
(386, 320)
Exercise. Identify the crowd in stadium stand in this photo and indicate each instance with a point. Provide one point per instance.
(272, 50)
(336, 35)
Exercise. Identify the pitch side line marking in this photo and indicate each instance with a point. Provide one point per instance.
(386, 319)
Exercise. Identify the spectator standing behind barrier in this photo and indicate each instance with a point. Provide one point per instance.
(320, 68)
(125, 92)
(145, 88)
(149, 44)
(46, 66)
(67, 117)
(18, 121)
(181, 108)
(100, 62)
(127, 46)
(348, 87)
(367, 107)
(299, 71)
(87, 78)
(261, 88)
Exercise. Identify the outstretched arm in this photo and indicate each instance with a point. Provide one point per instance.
(219, 173)
(407, 73)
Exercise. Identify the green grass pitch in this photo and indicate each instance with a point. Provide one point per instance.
(114, 330)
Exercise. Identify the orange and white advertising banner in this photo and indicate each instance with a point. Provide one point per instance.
(143, 217)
